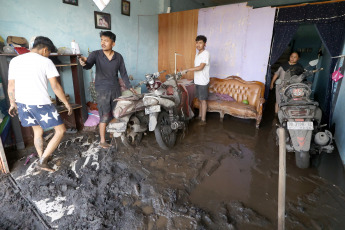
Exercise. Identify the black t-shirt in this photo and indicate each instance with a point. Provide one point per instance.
(295, 69)
(107, 70)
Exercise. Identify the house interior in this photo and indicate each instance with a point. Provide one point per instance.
(248, 42)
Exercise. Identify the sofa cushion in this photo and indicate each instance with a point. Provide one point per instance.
(219, 97)
(233, 108)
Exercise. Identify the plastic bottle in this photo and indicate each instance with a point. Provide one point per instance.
(75, 47)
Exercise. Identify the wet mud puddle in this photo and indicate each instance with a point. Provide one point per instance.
(221, 176)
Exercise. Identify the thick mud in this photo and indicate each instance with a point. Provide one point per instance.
(220, 176)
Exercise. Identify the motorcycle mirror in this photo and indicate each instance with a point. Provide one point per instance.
(314, 62)
(278, 81)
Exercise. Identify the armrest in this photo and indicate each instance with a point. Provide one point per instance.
(260, 105)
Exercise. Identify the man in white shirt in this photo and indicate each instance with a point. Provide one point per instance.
(28, 93)
(201, 75)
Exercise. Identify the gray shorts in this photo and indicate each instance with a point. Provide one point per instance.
(106, 104)
(201, 92)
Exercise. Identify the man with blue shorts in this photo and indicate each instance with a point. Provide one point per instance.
(28, 93)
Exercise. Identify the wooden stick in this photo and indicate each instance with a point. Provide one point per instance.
(282, 179)
(3, 158)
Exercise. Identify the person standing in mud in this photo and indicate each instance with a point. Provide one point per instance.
(27, 90)
(108, 64)
(201, 75)
(295, 69)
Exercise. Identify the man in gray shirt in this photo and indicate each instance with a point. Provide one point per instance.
(108, 64)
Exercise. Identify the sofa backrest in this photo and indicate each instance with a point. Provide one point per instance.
(238, 88)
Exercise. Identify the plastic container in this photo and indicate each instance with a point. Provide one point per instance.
(75, 47)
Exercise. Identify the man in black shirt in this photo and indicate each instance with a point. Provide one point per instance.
(108, 64)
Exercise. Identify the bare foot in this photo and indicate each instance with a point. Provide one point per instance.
(104, 145)
(201, 123)
(44, 166)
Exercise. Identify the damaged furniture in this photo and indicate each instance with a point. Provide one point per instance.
(239, 90)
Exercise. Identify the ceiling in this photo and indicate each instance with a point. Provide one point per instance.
(255, 3)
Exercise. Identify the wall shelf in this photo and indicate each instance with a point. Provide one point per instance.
(79, 114)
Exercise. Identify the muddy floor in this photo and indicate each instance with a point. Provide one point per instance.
(220, 176)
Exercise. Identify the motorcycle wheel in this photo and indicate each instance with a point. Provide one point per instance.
(129, 138)
(302, 159)
(165, 135)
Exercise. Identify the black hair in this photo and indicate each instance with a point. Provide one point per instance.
(296, 52)
(201, 38)
(44, 42)
(108, 34)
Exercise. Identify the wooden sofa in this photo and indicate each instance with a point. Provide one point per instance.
(239, 90)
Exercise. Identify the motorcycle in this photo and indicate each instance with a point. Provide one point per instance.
(301, 117)
(168, 110)
(130, 121)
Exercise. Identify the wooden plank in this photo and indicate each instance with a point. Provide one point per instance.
(4, 164)
(176, 33)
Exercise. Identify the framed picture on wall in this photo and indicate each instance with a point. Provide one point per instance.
(125, 8)
(72, 2)
(102, 20)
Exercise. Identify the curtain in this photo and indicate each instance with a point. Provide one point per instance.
(281, 38)
(330, 23)
(332, 36)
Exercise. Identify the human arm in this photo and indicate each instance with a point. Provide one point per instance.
(56, 87)
(88, 62)
(197, 68)
(275, 76)
(124, 75)
(12, 111)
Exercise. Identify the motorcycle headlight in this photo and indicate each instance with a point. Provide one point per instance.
(297, 92)
(150, 101)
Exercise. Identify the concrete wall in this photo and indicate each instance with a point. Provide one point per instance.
(238, 39)
(321, 79)
(339, 121)
(307, 37)
(137, 40)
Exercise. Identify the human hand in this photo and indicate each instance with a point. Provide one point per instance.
(13, 110)
(69, 108)
(184, 71)
(82, 60)
(271, 86)
(133, 91)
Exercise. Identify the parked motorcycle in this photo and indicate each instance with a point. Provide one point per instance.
(301, 117)
(168, 110)
(130, 121)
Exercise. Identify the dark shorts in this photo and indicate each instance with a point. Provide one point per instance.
(106, 104)
(45, 116)
(201, 92)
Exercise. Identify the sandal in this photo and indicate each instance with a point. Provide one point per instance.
(71, 130)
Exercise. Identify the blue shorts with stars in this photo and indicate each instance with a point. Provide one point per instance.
(45, 116)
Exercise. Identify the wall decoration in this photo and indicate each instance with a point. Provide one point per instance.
(102, 20)
(101, 4)
(125, 8)
(72, 2)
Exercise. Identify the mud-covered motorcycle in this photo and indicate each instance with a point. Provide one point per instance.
(168, 110)
(301, 117)
(130, 121)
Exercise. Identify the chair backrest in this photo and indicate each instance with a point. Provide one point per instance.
(238, 89)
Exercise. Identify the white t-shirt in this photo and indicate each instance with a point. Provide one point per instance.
(31, 72)
(202, 77)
